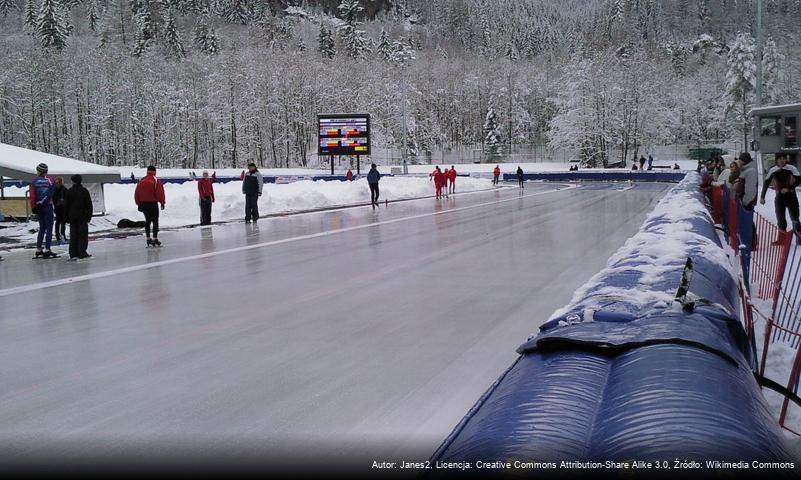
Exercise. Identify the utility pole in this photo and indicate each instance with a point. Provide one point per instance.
(403, 109)
(759, 55)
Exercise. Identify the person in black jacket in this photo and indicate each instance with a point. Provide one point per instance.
(78, 209)
(520, 176)
(59, 199)
(784, 178)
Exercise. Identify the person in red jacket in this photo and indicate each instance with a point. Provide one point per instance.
(205, 190)
(148, 195)
(452, 180)
(349, 175)
(495, 174)
(439, 180)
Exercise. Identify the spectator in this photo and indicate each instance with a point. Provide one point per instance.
(79, 211)
(59, 202)
(205, 189)
(728, 177)
(452, 180)
(520, 176)
(349, 175)
(252, 185)
(784, 178)
(496, 173)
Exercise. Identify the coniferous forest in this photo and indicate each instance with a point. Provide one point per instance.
(217, 83)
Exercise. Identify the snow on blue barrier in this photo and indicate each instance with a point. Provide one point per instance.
(674, 176)
(625, 372)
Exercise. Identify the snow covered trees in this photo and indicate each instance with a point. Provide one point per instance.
(6, 6)
(771, 61)
(172, 37)
(740, 83)
(492, 136)
(356, 43)
(52, 25)
(326, 43)
(205, 37)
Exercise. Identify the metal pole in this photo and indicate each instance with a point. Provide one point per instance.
(759, 56)
(403, 109)
(358, 165)
(332, 164)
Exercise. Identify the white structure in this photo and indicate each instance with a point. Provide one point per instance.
(20, 164)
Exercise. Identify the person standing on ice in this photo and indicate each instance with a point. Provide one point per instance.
(496, 173)
(205, 190)
(520, 176)
(650, 162)
(452, 179)
(642, 162)
(148, 195)
(784, 178)
(59, 200)
(373, 176)
(349, 175)
(41, 197)
(252, 185)
(438, 178)
(79, 211)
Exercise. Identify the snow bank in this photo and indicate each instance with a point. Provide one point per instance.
(651, 258)
(183, 210)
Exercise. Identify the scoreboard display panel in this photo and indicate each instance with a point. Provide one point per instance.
(344, 134)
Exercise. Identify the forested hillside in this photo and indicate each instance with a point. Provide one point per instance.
(193, 83)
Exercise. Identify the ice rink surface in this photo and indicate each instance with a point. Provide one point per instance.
(345, 331)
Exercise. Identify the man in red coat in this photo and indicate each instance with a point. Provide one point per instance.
(452, 180)
(148, 195)
(205, 190)
(439, 180)
(349, 175)
(495, 174)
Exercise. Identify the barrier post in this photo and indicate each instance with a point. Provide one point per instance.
(717, 205)
(786, 238)
(733, 241)
(792, 385)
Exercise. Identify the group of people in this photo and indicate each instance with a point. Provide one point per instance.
(741, 178)
(52, 202)
(446, 180)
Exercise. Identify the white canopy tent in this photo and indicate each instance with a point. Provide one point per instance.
(20, 164)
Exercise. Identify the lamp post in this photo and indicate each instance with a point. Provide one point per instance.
(758, 101)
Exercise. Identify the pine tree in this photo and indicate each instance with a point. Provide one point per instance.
(238, 11)
(144, 28)
(350, 11)
(172, 37)
(492, 136)
(771, 61)
(740, 82)
(6, 6)
(52, 27)
(355, 41)
(92, 14)
(384, 48)
(327, 46)
(205, 37)
(31, 16)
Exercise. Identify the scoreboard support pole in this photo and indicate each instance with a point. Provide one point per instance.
(332, 164)
(358, 165)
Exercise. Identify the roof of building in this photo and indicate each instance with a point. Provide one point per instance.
(20, 163)
(772, 109)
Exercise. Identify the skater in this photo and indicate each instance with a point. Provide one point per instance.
(78, 207)
(642, 162)
(784, 178)
(452, 180)
(205, 190)
(520, 176)
(650, 162)
(439, 180)
(252, 184)
(634, 167)
(148, 195)
(41, 193)
(133, 177)
(59, 200)
(496, 173)
(349, 175)
(676, 166)
(373, 176)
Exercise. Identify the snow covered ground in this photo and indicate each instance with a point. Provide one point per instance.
(183, 210)
(462, 168)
